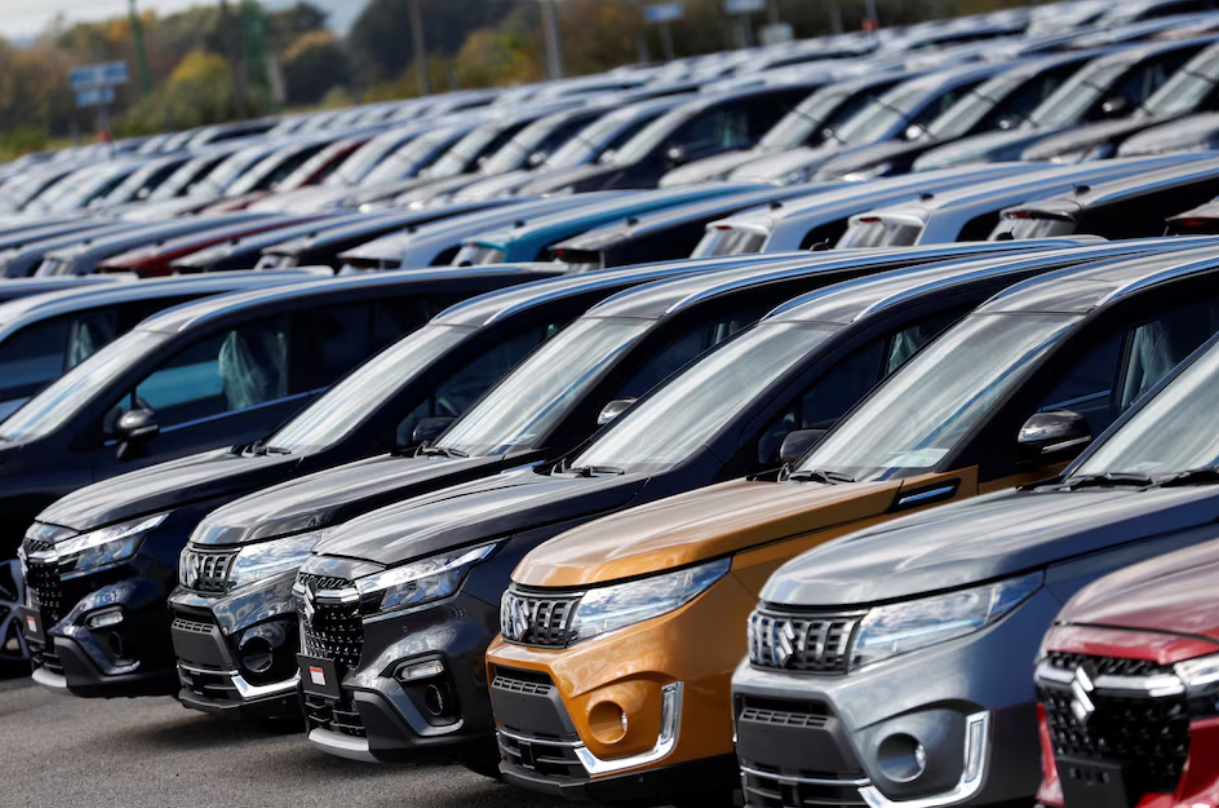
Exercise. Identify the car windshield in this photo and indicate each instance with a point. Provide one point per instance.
(652, 135)
(729, 240)
(521, 408)
(1186, 89)
(1072, 100)
(53, 407)
(690, 408)
(365, 159)
(877, 119)
(341, 409)
(799, 126)
(225, 174)
(588, 142)
(181, 180)
(1176, 431)
(408, 160)
(917, 418)
(963, 116)
(516, 152)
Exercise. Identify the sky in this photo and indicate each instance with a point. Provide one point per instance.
(22, 19)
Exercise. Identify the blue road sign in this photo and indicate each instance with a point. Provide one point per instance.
(744, 6)
(96, 97)
(664, 12)
(108, 74)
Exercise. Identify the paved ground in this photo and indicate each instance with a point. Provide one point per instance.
(151, 753)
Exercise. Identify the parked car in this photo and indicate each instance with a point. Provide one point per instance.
(1132, 207)
(1199, 221)
(1195, 133)
(712, 548)
(700, 128)
(243, 663)
(820, 221)
(958, 598)
(44, 336)
(1110, 86)
(354, 712)
(972, 213)
(812, 123)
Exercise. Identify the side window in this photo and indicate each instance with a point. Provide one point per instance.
(933, 110)
(1138, 84)
(682, 348)
(765, 111)
(132, 314)
(1017, 106)
(834, 393)
(1115, 373)
(32, 358)
(459, 392)
(234, 370)
(328, 343)
(394, 319)
(88, 334)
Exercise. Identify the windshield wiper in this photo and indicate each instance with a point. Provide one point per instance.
(441, 451)
(592, 471)
(1201, 476)
(820, 476)
(1108, 480)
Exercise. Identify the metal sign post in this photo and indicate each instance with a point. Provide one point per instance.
(662, 16)
(94, 87)
(742, 9)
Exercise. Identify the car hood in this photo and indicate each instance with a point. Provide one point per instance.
(991, 537)
(697, 526)
(166, 486)
(1182, 135)
(777, 167)
(168, 209)
(491, 187)
(1173, 593)
(335, 496)
(557, 180)
(1087, 137)
(709, 168)
(477, 511)
(992, 147)
(866, 157)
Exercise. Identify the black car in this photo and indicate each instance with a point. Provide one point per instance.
(1029, 377)
(1132, 207)
(697, 129)
(215, 373)
(375, 717)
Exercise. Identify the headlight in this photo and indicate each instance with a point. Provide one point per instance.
(905, 627)
(796, 177)
(1201, 679)
(430, 579)
(870, 173)
(260, 561)
(106, 546)
(610, 608)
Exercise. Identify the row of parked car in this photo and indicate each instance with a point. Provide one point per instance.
(667, 435)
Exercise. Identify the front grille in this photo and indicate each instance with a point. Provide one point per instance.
(206, 571)
(32, 546)
(335, 716)
(332, 631)
(801, 643)
(770, 790)
(515, 682)
(44, 656)
(1147, 736)
(46, 591)
(191, 626)
(555, 760)
(784, 718)
(528, 619)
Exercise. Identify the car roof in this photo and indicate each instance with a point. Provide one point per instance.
(661, 299)
(1081, 291)
(849, 302)
(1117, 190)
(142, 232)
(191, 315)
(378, 221)
(66, 301)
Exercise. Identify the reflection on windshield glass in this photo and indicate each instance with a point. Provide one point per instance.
(54, 406)
(1178, 430)
(690, 408)
(341, 409)
(916, 419)
(1075, 96)
(533, 397)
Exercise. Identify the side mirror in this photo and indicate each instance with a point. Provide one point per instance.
(614, 409)
(135, 428)
(915, 131)
(536, 159)
(429, 429)
(797, 444)
(1053, 437)
(676, 157)
(1115, 106)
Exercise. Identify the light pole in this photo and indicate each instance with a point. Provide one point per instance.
(554, 44)
(421, 62)
(141, 58)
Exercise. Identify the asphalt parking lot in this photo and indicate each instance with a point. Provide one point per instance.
(151, 753)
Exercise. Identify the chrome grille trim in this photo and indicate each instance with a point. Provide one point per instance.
(804, 643)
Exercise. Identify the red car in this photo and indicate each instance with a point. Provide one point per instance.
(1129, 689)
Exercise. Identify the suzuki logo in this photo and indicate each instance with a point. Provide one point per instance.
(518, 618)
(782, 643)
(1081, 691)
(308, 609)
(194, 569)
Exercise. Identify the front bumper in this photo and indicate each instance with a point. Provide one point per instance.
(640, 713)
(850, 739)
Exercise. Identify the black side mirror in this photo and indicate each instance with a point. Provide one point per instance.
(1116, 106)
(1053, 437)
(797, 444)
(429, 429)
(134, 429)
(676, 157)
(614, 409)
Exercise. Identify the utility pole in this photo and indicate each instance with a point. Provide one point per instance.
(835, 9)
(554, 44)
(772, 12)
(233, 43)
(420, 44)
(141, 57)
